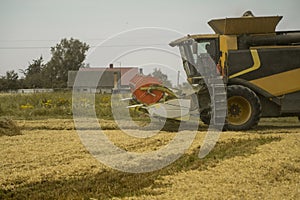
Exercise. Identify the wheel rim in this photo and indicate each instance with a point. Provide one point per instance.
(239, 110)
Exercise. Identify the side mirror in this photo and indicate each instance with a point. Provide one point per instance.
(195, 47)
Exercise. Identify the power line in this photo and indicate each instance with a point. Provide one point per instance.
(24, 48)
(93, 46)
(85, 39)
(46, 40)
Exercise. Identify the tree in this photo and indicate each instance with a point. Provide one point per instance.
(2, 84)
(67, 55)
(34, 76)
(157, 73)
(9, 81)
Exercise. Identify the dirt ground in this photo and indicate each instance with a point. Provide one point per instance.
(48, 161)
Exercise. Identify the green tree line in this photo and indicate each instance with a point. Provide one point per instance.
(67, 55)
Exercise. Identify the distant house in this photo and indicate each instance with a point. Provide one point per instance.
(101, 79)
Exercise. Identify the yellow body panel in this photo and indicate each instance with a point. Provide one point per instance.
(279, 84)
(227, 42)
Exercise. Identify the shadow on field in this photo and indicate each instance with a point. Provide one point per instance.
(111, 183)
(269, 129)
(276, 128)
(280, 125)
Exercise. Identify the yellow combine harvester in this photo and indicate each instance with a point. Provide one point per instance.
(259, 66)
(243, 72)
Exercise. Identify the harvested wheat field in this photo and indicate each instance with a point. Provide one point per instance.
(48, 161)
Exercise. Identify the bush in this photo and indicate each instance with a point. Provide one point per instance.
(55, 105)
(30, 106)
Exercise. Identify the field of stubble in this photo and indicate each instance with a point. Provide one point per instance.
(48, 161)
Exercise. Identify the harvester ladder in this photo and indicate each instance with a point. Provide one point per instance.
(218, 102)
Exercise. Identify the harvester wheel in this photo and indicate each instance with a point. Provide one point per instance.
(244, 108)
(205, 116)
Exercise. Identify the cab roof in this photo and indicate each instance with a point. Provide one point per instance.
(193, 37)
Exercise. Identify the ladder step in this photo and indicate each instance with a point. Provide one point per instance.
(220, 104)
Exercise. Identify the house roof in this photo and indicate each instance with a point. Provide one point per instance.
(89, 75)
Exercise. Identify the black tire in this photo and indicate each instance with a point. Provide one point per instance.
(244, 108)
(205, 116)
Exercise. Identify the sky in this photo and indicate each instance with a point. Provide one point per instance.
(126, 33)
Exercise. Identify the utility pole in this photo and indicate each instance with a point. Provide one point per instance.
(120, 83)
(178, 76)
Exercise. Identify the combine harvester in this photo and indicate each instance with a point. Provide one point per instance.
(246, 70)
